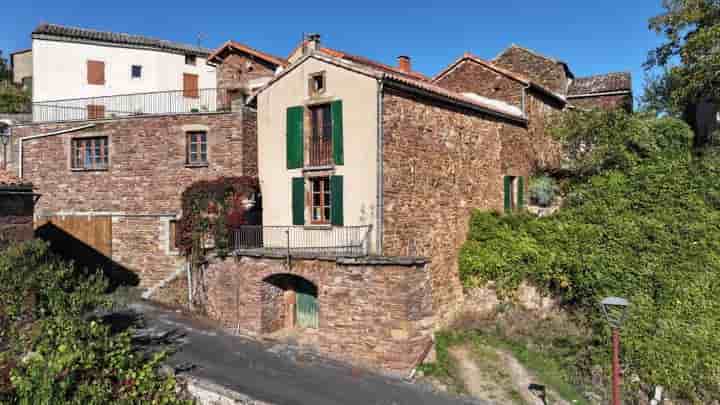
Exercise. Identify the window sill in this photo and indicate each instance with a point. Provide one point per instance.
(76, 169)
(196, 165)
(318, 226)
(329, 167)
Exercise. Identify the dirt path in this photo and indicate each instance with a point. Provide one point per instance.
(499, 378)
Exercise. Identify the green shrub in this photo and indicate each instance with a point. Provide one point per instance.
(53, 351)
(641, 220)
(542, 190)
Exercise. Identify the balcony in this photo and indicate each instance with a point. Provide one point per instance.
(344, 241)
(138, 104)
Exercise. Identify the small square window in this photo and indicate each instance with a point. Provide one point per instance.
(90, 153)
(190, 60)
(136, 71)
(197, 148)
(317, 83)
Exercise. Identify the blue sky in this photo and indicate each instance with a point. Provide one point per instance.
(591, 36)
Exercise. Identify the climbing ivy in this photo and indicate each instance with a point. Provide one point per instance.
(640, 219)
(211, 209)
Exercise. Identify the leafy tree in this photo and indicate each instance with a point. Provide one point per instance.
(5, 73)
(690, 57)
(53, 351)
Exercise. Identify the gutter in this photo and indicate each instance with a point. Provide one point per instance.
(31, 137)
(606, 93)
(380, 204)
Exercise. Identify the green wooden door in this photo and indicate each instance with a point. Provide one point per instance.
(306, 306)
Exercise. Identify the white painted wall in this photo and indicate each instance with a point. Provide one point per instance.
(359, 96)
(60, 70)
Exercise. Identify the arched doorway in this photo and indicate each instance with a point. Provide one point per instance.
(289, 301)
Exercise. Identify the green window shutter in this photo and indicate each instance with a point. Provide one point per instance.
(294, 141)
(521, 193)
(336, 200)
(507, 180)
(337, 131)
(298, 200)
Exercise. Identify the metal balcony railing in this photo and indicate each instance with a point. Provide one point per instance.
(161, 102)
(343, 241)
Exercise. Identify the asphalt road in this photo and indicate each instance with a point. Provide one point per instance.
(278, 374)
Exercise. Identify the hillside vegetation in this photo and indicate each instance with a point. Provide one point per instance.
(641, 220)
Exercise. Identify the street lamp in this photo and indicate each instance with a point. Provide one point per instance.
(4, 139)
(615, 311)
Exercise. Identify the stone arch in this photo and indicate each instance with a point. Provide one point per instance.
(288, 301)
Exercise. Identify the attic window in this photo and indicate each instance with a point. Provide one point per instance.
(190, 60)
(317, 83)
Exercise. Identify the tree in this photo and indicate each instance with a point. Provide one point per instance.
(690, 57)
(5, 72)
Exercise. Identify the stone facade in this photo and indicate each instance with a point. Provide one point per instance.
(16, 213)
(146, 176)
(375, 313)
(545, 71)
(439, 164)
(470, 76)
(238, 70)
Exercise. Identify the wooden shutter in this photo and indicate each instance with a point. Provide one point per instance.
(298, 200)
(294, 140)
(507, 180)
(337, 131)
(336, 200)
(95, 111)
(521, 193)
(190, 85)
(95, 72)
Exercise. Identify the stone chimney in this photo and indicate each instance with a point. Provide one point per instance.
(404, 64)
(312, 43)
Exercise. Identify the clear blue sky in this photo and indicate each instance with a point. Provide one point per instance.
(591, 36)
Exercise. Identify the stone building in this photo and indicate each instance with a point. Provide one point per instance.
(16, 209)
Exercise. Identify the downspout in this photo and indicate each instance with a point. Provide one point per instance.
(380, 189)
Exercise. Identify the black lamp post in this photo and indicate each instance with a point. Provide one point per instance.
(615, 311)
(4, 139)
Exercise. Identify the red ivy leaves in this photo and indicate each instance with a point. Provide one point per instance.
(204, 202)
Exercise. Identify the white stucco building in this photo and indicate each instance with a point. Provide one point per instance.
(97, 67)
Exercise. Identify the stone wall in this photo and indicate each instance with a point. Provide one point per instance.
(142, 186)
(607, 102)
(375, 313)
(16, 215)
(470, 76)
(236, 71)
(545, 71)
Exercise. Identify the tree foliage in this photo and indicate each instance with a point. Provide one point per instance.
(51, 352)
(641, 219)
(689, 57)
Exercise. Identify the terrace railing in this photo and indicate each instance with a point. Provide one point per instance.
(161, 102)
(343, 241)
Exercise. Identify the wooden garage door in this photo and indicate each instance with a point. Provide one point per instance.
(76, 233)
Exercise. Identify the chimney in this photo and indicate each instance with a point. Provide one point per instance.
(312, 43)
(404, 64)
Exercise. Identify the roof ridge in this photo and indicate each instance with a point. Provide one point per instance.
(249, 49)
(533, 52)
(131, 39)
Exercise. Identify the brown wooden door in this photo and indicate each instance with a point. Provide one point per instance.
(77, 233)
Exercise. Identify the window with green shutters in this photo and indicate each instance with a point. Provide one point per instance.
(325, 196)
(514, 193)
(294, 137)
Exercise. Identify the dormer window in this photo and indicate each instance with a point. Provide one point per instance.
(317, 83)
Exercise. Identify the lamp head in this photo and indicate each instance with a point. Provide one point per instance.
(615, 310)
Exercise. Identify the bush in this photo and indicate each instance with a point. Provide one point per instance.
(53, 352)
(542, 190)
(641, 220)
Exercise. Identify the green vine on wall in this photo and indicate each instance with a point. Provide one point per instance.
(211, 210)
